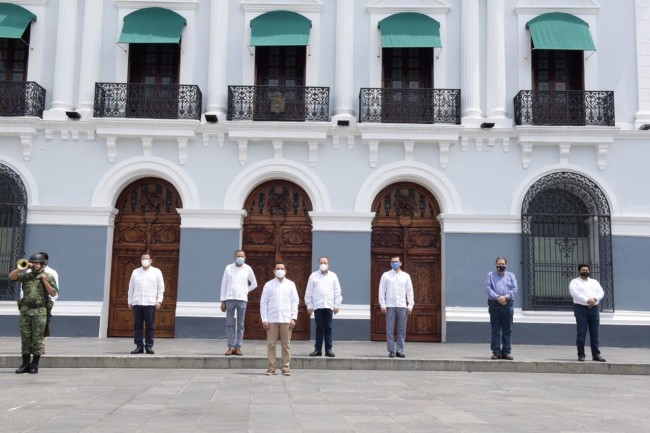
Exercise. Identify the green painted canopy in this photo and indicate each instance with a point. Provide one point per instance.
(409, 30)
(14, 20)
(560, 31)
(280, 28)
(152, 26)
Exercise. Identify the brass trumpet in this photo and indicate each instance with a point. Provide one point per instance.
(23, 264)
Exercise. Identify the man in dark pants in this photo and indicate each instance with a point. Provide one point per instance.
(323, 298)
(586, 293)
(501, 288)
(146, 289)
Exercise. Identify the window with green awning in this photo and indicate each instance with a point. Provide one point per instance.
(14, 20)
(152, 26)
(560, 31)
(280, 28)
(410, 30)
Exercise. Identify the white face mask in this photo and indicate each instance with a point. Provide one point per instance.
(323, 267)
(280, 273)
(146, 263)
(240, 260)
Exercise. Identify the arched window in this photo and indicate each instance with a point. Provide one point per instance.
(565, 221)
(13, 218)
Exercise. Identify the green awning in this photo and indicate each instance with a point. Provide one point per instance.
(559, 31)
(152, 26)
(280, 28)
(409, 30)
(14, 20)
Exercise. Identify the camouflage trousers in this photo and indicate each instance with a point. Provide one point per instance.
(31, 334)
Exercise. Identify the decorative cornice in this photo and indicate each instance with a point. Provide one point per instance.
(576, 7)
(395, 6)
(487, 224)
(167, 4)
(71, 215)
(304, 6)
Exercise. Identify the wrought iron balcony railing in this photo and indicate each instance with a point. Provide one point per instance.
(410, 105)
(565, 108)
(278, 103)
(24, 98)
(149, 101)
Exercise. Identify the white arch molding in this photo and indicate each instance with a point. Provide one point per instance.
(26, 177)
(282, 169)
(438, 184)
(520, 192)
(115, 180)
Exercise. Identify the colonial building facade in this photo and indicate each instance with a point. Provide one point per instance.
(443, 132)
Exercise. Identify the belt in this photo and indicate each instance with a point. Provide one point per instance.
(493, 302)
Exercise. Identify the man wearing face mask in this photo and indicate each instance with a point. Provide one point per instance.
(37, 286)
(323, 298)
(396, 301)
(586, 293)
(146, 289)
(501, 288)
(279, 311)
(238, 280)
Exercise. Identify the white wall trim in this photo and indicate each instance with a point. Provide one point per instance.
(637, 226)
(71, 215)
(484, 224)
(211, 218)
(167, 4)
(61, 308)
(213, 310)
(342, 221)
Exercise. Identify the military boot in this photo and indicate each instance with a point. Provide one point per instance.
(25, 367)
(33, 367)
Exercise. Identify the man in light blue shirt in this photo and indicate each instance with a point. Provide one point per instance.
(501, 288)
(396, 300)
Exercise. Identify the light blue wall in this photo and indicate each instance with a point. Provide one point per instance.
(204, 253)
(77, 253)
(349, 255)
(630, 257)
(468, 259)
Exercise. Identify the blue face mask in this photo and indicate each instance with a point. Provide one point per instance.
(240, 260)
(395, 265)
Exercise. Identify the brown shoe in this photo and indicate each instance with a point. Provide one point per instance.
(507, 356)
(230, 351)
(238, 352)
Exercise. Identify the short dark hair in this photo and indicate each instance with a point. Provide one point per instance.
(501, 257)
(240, 251)
(582, 265)
(279, 263)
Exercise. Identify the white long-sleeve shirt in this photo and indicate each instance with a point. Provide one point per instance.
(279, 302)
(396, 290)
(584, 290)
(237, 281)
(323, 291)
(146, 287)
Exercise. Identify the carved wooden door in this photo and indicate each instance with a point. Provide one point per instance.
(406, 226)
(147, 221)
(277, 228)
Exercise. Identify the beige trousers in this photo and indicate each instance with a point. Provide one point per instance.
(282, 331)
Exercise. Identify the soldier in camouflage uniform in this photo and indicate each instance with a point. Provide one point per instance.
(37, 285)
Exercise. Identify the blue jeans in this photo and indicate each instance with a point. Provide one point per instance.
(232, 305)
(501, 324)
(323, 318)
(144, 314)
(587, 318)
(395, 316)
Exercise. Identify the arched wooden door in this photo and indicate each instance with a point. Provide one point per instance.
(147, 221)
(406, 225)
(277, 227)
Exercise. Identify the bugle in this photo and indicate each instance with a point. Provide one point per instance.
(23, 264)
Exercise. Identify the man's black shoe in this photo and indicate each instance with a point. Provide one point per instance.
(581, 358)
(391, 354)
(149, 350)
(599, 358)
(24, 368)
(400, 355)
(330, 354)
(137, 350)
(316, 353)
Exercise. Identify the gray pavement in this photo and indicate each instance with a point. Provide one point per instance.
(350, 355)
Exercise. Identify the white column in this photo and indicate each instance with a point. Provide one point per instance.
(343, 91)
(91, 41)
(64, 61)
(470, 69)
(217, 65)
(642, 14)
(496, 61)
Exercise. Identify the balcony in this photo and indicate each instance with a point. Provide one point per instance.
(565, 108)
(410, 106)
(24, 98)
(148, 101)
(279, 103)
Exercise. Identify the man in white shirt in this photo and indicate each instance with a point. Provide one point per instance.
(587, 293)
(396, 301)
(146, 289)
(323, 298)
(238, 280)
(279, 311)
